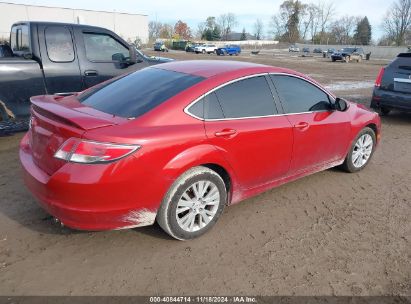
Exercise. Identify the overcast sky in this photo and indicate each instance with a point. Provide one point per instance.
(195, 11)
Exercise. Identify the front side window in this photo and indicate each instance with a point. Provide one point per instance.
(59, 44)
(20, 38)
(250, 97)
(299, 96)
(103, 47)
(137, 93)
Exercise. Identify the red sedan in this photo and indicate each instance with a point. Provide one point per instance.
(178, 142)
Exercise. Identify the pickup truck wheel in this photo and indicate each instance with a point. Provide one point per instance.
(193, 204)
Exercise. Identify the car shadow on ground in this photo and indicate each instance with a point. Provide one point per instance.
(36, 219)
(396, 118)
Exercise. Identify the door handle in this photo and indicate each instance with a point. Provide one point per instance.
(90, 73)
(226, 133)
(302, 126)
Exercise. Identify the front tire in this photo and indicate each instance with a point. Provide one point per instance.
(193, 204)
(361, 151)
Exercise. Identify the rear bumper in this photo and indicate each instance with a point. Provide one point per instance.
(338, 57)
(389, 99)
(80, 201)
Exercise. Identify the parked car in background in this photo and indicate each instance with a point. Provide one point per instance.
(160, 47)
(392, 88)
(318, 51)
(293, 48)
(230, 49)
(205, 48)
(349, 54)
(5, 51)
(59, 58)
(306, 50)
(329, 52)
(191, 47)
(177, 142)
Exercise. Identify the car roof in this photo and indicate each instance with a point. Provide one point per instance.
(210, 68)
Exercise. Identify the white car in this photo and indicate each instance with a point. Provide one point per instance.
(205, 48)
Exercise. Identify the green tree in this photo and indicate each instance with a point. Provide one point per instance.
(243, 35)
(363, 32)
(211, 31)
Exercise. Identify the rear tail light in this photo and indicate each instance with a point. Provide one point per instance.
(379, 78)
(90, 152)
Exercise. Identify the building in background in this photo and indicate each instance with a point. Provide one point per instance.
(128, 26)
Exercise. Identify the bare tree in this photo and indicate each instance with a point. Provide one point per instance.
(258, 29)
(226, 23)
(166, 31)
(343, 29)
(398, 20)
(278, 26)
(154, 28)
(200, 30)
(325, 11)
(313, 22)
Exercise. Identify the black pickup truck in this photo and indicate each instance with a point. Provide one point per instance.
(59, 58)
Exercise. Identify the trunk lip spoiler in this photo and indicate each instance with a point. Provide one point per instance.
(72, 113)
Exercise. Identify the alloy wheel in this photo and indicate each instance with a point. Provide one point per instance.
(362, 150)
(197, 206)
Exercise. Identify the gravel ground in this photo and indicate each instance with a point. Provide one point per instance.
(331, 233)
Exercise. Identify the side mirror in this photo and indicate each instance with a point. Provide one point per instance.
(340, 105)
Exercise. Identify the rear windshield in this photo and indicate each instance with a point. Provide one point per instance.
(137, 93)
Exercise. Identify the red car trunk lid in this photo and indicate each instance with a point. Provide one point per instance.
(53, 121)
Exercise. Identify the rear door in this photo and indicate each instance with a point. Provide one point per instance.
(59, 59)
(321, 135)
(241, 121)
(102, 56)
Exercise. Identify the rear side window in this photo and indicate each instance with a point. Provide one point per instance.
(250, 97)
(402, 62)
(59, 44)
(137, 93)
(299, 96)
(207, 107)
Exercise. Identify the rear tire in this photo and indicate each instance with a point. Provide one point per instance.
(361, 151)
(193, 204)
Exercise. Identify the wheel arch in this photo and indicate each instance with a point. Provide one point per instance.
(202, 155)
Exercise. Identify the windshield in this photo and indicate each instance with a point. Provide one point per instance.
(348, 50)
(137, 93)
